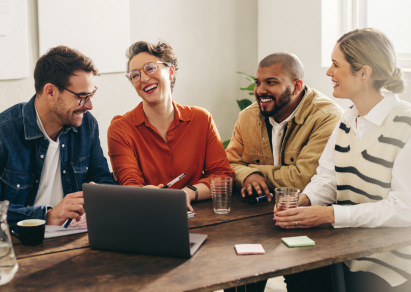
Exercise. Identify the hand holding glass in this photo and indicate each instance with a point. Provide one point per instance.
(286, 198)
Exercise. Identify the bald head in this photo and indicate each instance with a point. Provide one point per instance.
(290, 62)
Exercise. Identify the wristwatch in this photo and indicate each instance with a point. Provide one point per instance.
(195, 191)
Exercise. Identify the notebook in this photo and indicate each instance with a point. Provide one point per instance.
(139, 220)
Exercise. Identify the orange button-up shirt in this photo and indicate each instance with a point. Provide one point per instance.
(139, 155)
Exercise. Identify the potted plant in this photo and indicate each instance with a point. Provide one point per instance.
(243, 103)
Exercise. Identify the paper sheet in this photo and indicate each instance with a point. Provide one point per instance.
(73, 228)
(246, 249)
(56, 231)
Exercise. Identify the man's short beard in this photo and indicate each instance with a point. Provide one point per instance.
(284, 100)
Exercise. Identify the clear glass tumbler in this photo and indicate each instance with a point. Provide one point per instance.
(8, 262)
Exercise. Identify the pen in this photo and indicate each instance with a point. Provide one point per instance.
(67, 223)
(174, 181)
(263, 198)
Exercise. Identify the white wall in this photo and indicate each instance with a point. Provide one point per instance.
(295, 26)
(213, 40)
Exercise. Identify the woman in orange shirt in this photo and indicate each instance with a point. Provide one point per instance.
(161, 139)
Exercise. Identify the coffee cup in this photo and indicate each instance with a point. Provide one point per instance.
(30, 231)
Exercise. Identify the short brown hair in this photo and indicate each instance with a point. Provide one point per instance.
(161, 50)
(58, 64)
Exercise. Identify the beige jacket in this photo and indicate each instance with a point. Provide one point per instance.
(307, 134)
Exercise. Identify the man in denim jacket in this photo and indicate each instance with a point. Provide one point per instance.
(50, 145)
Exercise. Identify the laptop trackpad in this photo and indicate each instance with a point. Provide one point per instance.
(196, 240)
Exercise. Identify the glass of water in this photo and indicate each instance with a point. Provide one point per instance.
(8, 262)
(221, 191)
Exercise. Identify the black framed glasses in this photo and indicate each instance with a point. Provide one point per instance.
(149, 68)
(84, 97)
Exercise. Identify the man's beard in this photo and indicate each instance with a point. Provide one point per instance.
(284, 100)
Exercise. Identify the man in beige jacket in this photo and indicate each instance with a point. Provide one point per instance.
(278, 140)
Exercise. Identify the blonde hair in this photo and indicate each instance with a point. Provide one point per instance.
(369, 46)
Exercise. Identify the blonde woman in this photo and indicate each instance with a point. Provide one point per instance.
(363, 169)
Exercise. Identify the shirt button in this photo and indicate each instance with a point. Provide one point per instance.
(41, 156)
(263, 138)
(62, 145)
(18, 186)
(86, 167)
(64, 171)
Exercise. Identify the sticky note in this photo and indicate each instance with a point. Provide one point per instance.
(298, 241)
(243, 249)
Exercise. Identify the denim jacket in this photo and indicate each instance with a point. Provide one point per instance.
(23, 149)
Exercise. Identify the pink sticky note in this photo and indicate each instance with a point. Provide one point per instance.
(242, 249)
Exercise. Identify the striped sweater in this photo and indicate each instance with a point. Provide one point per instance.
(364, 173)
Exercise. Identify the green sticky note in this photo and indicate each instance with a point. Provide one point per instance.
(297, 241)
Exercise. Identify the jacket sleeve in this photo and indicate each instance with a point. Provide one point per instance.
(299, 173)
(18, 212)
(235, 152)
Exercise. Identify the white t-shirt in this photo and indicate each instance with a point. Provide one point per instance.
(50, 191)
(277, 136)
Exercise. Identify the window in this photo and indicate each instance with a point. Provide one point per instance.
(389, 16)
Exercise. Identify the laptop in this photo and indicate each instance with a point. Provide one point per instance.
(139, 220)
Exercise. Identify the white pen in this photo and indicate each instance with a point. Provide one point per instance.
(174, 180)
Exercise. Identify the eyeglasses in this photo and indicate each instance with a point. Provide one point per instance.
(149, 69)
(84, 97)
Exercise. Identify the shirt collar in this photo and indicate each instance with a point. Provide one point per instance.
(31, 128)
(181, 113)
(274, 123)
(379, 112)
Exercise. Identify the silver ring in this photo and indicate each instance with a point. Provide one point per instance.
(296, 223)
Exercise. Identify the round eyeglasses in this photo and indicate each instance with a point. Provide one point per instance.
(84, 97)
(149, 68)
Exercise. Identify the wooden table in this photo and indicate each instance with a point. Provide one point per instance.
(67, 263)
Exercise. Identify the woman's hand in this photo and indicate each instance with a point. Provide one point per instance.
(304, 217)
(154, 187)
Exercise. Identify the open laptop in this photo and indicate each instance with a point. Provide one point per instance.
(139, 220)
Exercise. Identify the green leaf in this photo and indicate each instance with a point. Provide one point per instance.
(225, 144)
(251, 93)
(249, 88)
(243, 103)
(249, 77)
